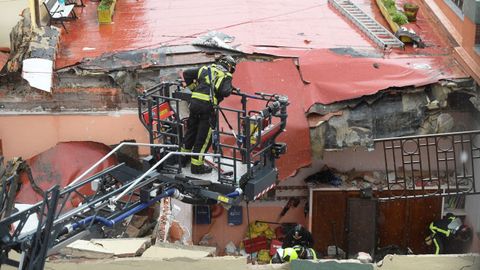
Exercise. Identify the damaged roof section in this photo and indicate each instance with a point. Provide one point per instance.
(339, 74)
(40, 43)
(146, 58)
(436, 108)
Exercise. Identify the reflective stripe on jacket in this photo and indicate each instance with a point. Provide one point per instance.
(217, 74)
(441, 226)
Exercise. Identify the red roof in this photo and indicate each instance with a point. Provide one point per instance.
(280, 27)
(280, 77)
(331, 76)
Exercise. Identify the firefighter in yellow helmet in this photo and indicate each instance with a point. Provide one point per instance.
(210, 84)
(305, 253)
(284, 255)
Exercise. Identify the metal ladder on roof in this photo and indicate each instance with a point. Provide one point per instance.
(375, 31)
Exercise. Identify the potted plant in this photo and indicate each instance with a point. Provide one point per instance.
(411, 11)
(105, 11)
(394, 15)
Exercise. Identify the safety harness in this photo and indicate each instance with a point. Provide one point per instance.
(209, 74)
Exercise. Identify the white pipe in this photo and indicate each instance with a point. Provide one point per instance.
(112, 152)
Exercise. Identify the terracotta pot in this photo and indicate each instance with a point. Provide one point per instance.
(411, 11)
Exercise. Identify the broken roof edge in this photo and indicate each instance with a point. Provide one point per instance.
(301, 168)
(151, 57)
(318, 108)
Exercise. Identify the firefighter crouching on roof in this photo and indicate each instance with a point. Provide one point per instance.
(210, 84)
(293, 253)
(298, 236)
(298, 244)
(284, 255)
(444, 231)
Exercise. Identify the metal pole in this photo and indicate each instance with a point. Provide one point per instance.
(112, 152)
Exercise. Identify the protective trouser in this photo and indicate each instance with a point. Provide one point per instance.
(438, 243)
(199, 130)
(439, 235)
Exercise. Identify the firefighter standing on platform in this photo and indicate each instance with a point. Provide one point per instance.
(210, 84)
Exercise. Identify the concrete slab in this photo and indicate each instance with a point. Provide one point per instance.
(211, 250)
(283, 266)
(437, 262)
(86, 249)
(230, 263)
(124, 247)
(329, 265)
(164, 253)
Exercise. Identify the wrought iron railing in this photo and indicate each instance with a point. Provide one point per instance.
(431, 165)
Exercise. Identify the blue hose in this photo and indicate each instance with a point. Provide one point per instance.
(234, 194)
(111, 222)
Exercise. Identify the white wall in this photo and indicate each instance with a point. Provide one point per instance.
(473, 201)
(9, 16)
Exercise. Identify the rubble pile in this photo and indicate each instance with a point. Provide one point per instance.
(377, 180)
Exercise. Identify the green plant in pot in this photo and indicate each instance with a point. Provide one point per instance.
(410, 11)
(105, 11)
(105, 4)
(400, 18)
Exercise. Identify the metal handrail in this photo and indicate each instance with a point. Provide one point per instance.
(428, 135)
(115, 150)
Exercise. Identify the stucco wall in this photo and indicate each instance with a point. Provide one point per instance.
(28, 135)
(472, 202)
(223, 233)
(10, 10)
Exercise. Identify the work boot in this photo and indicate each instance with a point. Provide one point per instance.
(200, 169)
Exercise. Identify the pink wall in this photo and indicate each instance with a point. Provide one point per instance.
(28, 135)
(223, 233)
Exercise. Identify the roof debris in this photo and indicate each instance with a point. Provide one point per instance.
(215, 39)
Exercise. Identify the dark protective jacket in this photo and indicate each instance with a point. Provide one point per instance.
(442, 231)
(198, 80)
(441, 226)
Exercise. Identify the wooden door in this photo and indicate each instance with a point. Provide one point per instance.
(361, 226)
(328, 213)
(400, 222)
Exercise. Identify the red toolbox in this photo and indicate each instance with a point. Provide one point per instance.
(255, 244)
(274, 245)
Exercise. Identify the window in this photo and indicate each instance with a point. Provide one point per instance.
(458, 3)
